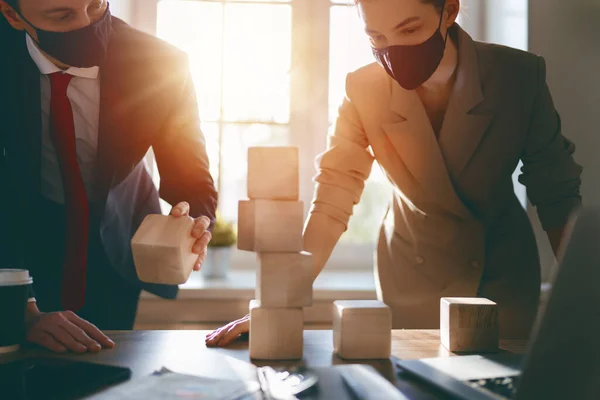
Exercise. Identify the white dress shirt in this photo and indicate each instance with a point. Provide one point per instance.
(84, 93)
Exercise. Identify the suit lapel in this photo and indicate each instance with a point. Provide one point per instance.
(106, 125)
(414, 140)
(113, 79)
(463, 127)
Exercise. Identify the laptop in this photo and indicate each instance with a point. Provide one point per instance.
(563, 356)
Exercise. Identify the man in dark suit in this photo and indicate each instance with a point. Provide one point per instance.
(83, 96)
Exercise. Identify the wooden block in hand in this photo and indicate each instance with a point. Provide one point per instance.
(273, 173)
(270, 226)
(284, 280)
(362, 329)
(276, 333)
(162, 249)
(469, 324)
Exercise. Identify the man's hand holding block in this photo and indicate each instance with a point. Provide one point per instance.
(162, 249)
(273, 173)
(362, 329)
(276, 333)
(285, 280)
(469, 324)
(270, 226)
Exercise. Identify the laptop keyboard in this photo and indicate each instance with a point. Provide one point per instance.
(504, 387)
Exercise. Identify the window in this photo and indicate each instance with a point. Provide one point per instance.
(240, 54)
(256, 64)
(350, 50)
(272, 72)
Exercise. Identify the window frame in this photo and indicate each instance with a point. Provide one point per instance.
(308, 113)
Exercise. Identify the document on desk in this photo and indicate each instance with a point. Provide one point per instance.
(168, 385)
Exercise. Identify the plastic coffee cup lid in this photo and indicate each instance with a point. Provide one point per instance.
(15, 277)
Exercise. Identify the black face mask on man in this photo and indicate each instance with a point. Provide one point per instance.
(413, 65)
(82, 48)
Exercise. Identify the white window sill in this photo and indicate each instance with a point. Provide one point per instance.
(240, 285)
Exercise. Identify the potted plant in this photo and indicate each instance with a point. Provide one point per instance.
(220, 249)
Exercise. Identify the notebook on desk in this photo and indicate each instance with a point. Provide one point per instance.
(563, 360)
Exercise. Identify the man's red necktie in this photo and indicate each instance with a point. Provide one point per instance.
(62, 129)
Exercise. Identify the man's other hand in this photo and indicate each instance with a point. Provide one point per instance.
(200, 232)
(64, 331)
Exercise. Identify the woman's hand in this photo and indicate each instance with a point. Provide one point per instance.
(230, 332)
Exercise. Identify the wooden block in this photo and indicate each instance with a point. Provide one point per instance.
(266, 226)
(276, 333)
(285, 280)
(273, 173)
(362, 329)
(162, 249)
(469, 324)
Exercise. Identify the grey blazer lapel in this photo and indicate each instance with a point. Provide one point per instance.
(464, 127)
(414, 140)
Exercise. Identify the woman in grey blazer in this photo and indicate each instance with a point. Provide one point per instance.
(448, 119)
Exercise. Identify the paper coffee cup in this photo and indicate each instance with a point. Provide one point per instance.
(14, 291)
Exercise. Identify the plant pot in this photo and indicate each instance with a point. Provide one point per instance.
(217, 262)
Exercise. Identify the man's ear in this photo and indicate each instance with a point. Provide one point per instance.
(11, 16)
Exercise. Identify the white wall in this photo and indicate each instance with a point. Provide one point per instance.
(567, 34)
(139, 13)
(121, 9)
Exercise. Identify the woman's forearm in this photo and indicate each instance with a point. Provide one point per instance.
(321, 235)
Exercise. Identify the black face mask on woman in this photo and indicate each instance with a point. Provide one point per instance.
(413, 65)
(83, 48)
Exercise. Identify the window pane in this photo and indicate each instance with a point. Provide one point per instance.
(195, 27)
(368, 214)
(211, 135)
(257, 62)
(236, 140)
(349, 50)
(260, 1)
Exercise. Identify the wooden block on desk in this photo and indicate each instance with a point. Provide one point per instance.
(285, 280)
(469, 324)
(362, 329)
(270, 226)
(273, 173)
(276, 333)
(162, 249)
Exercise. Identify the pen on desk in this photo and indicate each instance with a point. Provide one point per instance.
(356, 390)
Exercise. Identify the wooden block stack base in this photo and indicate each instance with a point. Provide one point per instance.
(162, 249)
(362, 329)
(276, 333)
(469, 324)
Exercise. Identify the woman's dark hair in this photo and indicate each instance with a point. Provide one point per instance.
(438, 4)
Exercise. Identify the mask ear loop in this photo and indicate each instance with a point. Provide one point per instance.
(440, 23)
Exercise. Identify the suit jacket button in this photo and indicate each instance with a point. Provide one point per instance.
(420, 260)
(475, 264)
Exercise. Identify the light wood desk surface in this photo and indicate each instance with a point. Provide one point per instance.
(185, 352)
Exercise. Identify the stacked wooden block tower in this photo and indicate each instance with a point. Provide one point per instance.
(270, 224)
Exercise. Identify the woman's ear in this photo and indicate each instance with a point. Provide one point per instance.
(452, 9)
(11, 16)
